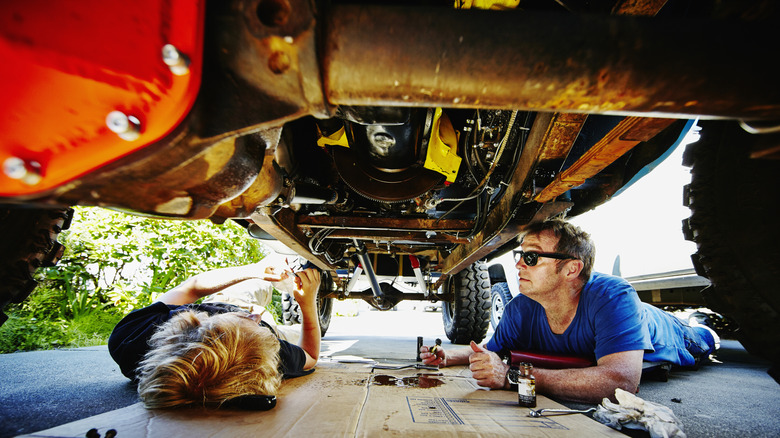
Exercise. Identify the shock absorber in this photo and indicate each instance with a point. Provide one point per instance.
(365, 261)
(418, 274)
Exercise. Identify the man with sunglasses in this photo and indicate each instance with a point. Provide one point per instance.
(565, 309)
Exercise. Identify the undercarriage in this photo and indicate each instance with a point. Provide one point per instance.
(396, 147)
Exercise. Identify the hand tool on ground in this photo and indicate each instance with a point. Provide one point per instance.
(536, 413)
(403, 366)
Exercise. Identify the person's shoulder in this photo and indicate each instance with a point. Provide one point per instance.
(158, 309)
(520, 300)
(605, 285)
(521, 303)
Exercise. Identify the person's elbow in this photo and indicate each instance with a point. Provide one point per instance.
(311, 362)
(627, 381)
(624, 371)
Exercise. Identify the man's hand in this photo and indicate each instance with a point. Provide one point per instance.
(487, 368)
(437, 359)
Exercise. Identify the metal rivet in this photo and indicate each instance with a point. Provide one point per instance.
(29, 172)
(126, 127)
(178, 62)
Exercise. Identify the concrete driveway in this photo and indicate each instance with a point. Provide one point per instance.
(40, 390)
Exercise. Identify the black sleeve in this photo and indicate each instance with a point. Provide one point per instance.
(129, 341)
(292, 360)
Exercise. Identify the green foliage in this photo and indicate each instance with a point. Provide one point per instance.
(114, 263)
(22, 333)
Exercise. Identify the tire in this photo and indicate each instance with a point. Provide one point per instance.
(291, 311)
(28, 241)
(499, 297)
(733, 202)
(466, 319)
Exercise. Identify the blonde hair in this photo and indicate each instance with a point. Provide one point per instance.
(197, 359)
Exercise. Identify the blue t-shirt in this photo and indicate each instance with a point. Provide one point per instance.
(608, 320)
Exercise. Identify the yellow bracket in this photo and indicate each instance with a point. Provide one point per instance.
(338, 138)
(442, 154)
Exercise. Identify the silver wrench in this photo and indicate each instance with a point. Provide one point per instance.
(536, 413)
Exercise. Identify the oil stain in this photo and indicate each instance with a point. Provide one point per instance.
(418, 381)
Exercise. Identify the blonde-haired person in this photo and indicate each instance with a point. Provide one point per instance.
(186, 354)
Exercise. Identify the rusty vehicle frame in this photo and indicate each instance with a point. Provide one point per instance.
(586, 94)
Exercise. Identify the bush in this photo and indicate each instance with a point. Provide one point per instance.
(115, 263)
(26, 334)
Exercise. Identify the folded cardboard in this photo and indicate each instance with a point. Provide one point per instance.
(354, 400)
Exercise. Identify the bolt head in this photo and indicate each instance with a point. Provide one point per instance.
(175, 60)
(14, 168)
(170, 54)
(29, 172)
(126, 127)
(118, 122)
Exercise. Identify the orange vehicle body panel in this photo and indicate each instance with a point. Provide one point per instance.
(67, 65)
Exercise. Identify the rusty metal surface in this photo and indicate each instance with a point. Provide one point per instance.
(627, 134)
(496, 232)
(562, 134)
(183, 178)
(544, 61)
(419, 237)
(385, 223)
(262, 66)
(263, 190)
(281, 225)
(638, 7)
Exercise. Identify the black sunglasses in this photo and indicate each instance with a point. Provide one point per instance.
(531, 258)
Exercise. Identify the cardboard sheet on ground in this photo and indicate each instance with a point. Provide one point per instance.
(349, 399)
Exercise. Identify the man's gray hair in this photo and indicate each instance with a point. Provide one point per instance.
(571, 240)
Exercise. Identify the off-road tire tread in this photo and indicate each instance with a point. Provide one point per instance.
(28, 241)
(471, 307)
(291, 311)
(733, 205)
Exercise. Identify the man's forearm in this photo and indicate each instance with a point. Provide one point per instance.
(588, 385)
(457, 357)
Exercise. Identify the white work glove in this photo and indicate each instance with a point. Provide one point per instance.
(634, 413)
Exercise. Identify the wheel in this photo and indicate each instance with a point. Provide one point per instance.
(733, 201)
(499, 297)
(291, 311)
(28, 240)
(466, 318)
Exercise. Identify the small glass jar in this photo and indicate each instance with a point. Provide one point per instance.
(526, 386)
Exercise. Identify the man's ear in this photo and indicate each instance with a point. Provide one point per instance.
(574, 268)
